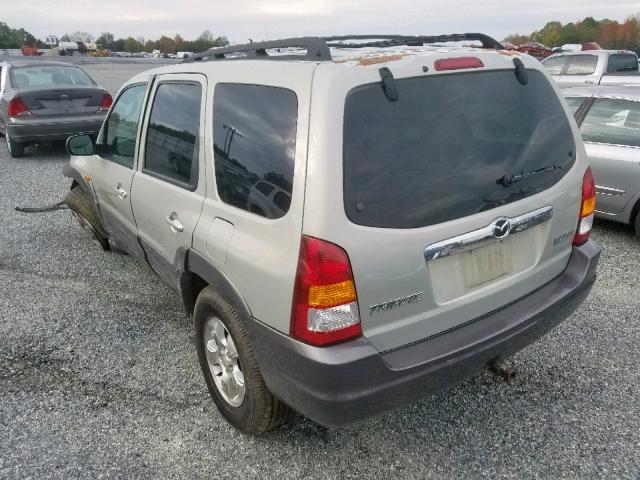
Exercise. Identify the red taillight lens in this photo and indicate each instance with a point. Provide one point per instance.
(17, 108)
(106, 102)
(587, 208)
(457, 63)
(325, 307)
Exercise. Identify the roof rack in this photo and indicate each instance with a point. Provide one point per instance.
(318, 48)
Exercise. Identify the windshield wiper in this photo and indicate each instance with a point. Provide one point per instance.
(511, 179)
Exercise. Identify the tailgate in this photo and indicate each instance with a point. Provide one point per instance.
(459, 197)
(63, 101)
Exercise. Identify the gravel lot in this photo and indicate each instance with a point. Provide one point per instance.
(99, 377)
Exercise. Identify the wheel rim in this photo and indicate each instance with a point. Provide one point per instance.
(224, 362)
(6, 136)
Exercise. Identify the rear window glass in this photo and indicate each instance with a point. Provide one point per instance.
(582, 64)
(446, 147)
(613, 121)
(622, 62)
(49, 76)
(555, 64)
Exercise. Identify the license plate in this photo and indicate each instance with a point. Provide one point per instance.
(487, 263)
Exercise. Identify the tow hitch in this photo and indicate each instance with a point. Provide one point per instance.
(502, 370)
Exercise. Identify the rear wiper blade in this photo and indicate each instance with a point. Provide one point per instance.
(511, 179)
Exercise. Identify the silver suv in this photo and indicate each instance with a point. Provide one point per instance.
(353, 223)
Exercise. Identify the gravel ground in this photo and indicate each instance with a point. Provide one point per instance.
(99, 377)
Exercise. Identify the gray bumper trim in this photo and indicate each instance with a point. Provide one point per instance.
(345, 383)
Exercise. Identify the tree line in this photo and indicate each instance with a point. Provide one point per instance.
(609, 34)
(17, 38)
(165, 44)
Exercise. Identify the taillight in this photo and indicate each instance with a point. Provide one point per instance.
(106, 102)
(17, 108)
(587, 208)
(457, 63)
(325, 307)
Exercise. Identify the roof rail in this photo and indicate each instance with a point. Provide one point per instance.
(410, 40)
(318, 48)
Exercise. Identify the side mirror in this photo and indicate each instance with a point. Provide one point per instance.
(80, 145)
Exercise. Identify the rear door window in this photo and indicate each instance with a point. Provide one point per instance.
(582, 64)
(622, 62)
(555, 65)
(171, 149)
(449, 145)
(612, 121)
(254, 133)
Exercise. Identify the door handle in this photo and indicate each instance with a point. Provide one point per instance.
(120, 191)
(175, 223)
(589, 82)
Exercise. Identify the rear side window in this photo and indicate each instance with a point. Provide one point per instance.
(254, 133)
(622, 62)
(171, 150)
(121, 129)
(49, 76)
(555, 64)
(613, 121)
(445, 148)
(582, 64)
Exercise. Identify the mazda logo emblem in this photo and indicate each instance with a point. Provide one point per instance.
(501, 228)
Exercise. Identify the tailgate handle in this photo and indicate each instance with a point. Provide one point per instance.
(496, 231)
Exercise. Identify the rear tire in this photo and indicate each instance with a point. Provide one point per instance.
(257, 411)
(84, 210)
(16, 149)
(637, 225)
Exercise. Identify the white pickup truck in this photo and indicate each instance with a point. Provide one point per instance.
(594, 67)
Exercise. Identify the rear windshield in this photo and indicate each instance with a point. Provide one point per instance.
(451, 146)
(48, 76)
(622, 62)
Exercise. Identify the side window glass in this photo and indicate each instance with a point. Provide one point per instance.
(254, 133)
(613, 121)
(575, 103)
(171, 149)
(121, 129)
(582, 64)
(555, 64)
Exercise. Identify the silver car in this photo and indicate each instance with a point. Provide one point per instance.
(47, 101)
(434, 215)
(609, 120)
(593, 67)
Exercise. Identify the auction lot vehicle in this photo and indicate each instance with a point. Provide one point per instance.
(435, 214)
(593, 67)
(609, 120)
(47, 101)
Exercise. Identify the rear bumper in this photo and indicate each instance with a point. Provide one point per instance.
(345, 383)
(30, 129)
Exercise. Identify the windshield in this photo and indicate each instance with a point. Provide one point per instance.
(441, 151)
(49, 76)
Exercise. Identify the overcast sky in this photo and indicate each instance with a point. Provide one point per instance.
(257, 19)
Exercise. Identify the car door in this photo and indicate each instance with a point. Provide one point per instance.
(611, 131)
(169, 187)
(114, 167)
(580, 70)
